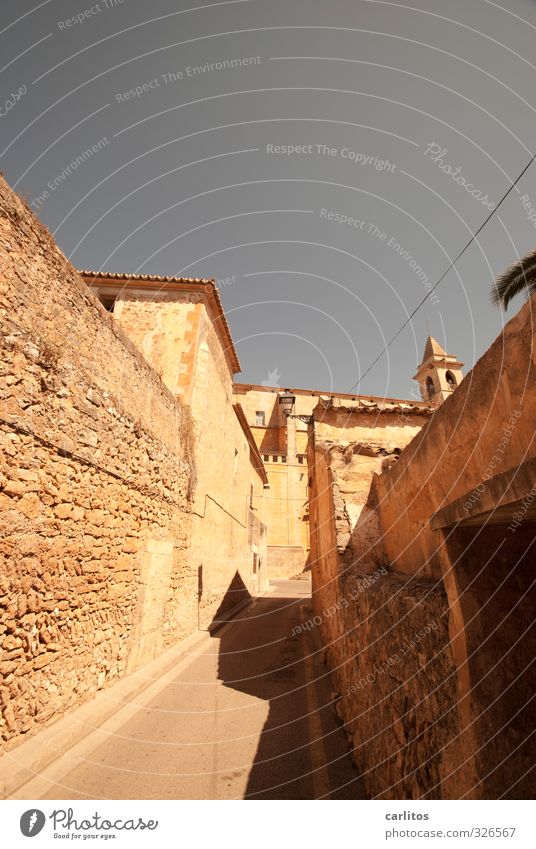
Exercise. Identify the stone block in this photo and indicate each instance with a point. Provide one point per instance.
(15, 487)
(63, 511)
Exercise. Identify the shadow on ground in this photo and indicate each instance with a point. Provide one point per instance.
(302, 751)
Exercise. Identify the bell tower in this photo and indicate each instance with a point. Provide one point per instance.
(438, 374)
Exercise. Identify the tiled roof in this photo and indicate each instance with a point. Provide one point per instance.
(362, 405)
(242, 388)
(148, 278)
(220, 319)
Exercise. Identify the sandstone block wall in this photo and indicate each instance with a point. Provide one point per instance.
(95, 476)
(164, 327)
(285, 561)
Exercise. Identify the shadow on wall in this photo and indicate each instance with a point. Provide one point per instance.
(236, 594)
(493, 653)
(494, 573)
(387, 643)
(274, 437)
(302, 753)
(363, 553)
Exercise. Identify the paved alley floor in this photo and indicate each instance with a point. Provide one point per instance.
(246, 715)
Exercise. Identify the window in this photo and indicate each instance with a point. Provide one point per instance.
(266, 458)
(430, 388)
(451, 380)
(108, 301)
(259, 418)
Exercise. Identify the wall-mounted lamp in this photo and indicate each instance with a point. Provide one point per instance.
(287, 401)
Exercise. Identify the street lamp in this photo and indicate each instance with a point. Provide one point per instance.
(287, 401)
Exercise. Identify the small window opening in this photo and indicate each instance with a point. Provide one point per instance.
(260, 418)
(107, 301)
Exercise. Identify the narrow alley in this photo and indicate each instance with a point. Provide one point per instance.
(247, 714)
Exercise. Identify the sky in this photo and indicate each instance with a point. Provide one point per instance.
(324, 161)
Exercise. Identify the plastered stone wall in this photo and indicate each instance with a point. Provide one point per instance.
(176, 332)
(96, 471)
(229, 510)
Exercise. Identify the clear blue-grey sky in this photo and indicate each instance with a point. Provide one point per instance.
(324, 160)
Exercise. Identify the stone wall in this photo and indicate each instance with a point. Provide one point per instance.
(179, 325)
(229, 508)
(351, 446)
(459, 506)
(285, 561)
(286, 500)
(452, 521)
(95, 477)
(483, 429)
(164, 327)
(394, 676)
(386, 636)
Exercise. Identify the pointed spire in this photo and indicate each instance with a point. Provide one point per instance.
(438, 374)
(433, 349)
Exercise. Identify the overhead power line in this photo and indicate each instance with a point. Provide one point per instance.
(452, 264)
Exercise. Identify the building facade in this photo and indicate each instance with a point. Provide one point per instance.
(179, 326)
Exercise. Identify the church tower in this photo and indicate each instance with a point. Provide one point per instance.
(438, 374)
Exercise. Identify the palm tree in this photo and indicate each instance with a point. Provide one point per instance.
(521, 276)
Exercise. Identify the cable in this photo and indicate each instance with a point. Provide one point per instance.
(454, 261)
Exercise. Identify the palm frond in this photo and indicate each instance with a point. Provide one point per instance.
(521, 276)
